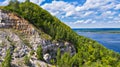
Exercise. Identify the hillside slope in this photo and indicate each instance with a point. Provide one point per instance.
(89, 52)
(20, 42)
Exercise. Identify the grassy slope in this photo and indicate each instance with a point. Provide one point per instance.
(89, 52)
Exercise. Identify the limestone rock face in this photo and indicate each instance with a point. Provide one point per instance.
(10, 20)
(22, 38)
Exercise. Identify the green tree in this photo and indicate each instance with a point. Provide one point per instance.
(14, 4)
(26, 60)
(7, 60)
(27, 1)
(65, 60)
(39, 53)
(58, 56)
(10, 2)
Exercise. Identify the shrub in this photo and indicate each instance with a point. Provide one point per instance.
(39, 53)
(26, 60)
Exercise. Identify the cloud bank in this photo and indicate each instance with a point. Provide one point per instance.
(92, 11)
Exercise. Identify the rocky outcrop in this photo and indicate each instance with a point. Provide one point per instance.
(22, 37)
(10, 20)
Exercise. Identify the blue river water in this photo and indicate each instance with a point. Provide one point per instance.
(110, 38)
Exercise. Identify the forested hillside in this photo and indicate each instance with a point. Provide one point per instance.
(89, 52)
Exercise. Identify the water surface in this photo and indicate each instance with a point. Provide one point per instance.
(108, 37)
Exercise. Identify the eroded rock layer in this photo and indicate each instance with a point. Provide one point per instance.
(10, 20)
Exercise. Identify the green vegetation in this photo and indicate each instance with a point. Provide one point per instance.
(58, 56)
(26, 60)
(89, 52)
(32, 52)
(23, 38)
(39, 53)
(7, 59)
(65, 60)
(27, 0)
(26, 42)
(1, 7)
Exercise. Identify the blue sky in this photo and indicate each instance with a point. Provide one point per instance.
(82, 13)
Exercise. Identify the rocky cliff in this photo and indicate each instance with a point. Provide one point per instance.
(22, 38)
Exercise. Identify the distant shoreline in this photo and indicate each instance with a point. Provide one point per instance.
(98, 30)
(95, 28)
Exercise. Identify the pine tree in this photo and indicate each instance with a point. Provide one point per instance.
(58, 56)
(11, 2)
(7, 60)
(39, 53)
(27, 1)
(14, 4)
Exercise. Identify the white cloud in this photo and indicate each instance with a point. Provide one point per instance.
(93, 4)
(69, 9)
(108, 13)
(112, 5)
(110, 17)
(119, 15)
(93, 21)
(88, 13)
(70, 13)
(63, 7)
(4, 3)
(92, 11)
(116, 19)
(117, 7)
(87, 21)
(21, 0)
(37, 1)
(79, 21)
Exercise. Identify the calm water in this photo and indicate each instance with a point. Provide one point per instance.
(109, 37)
